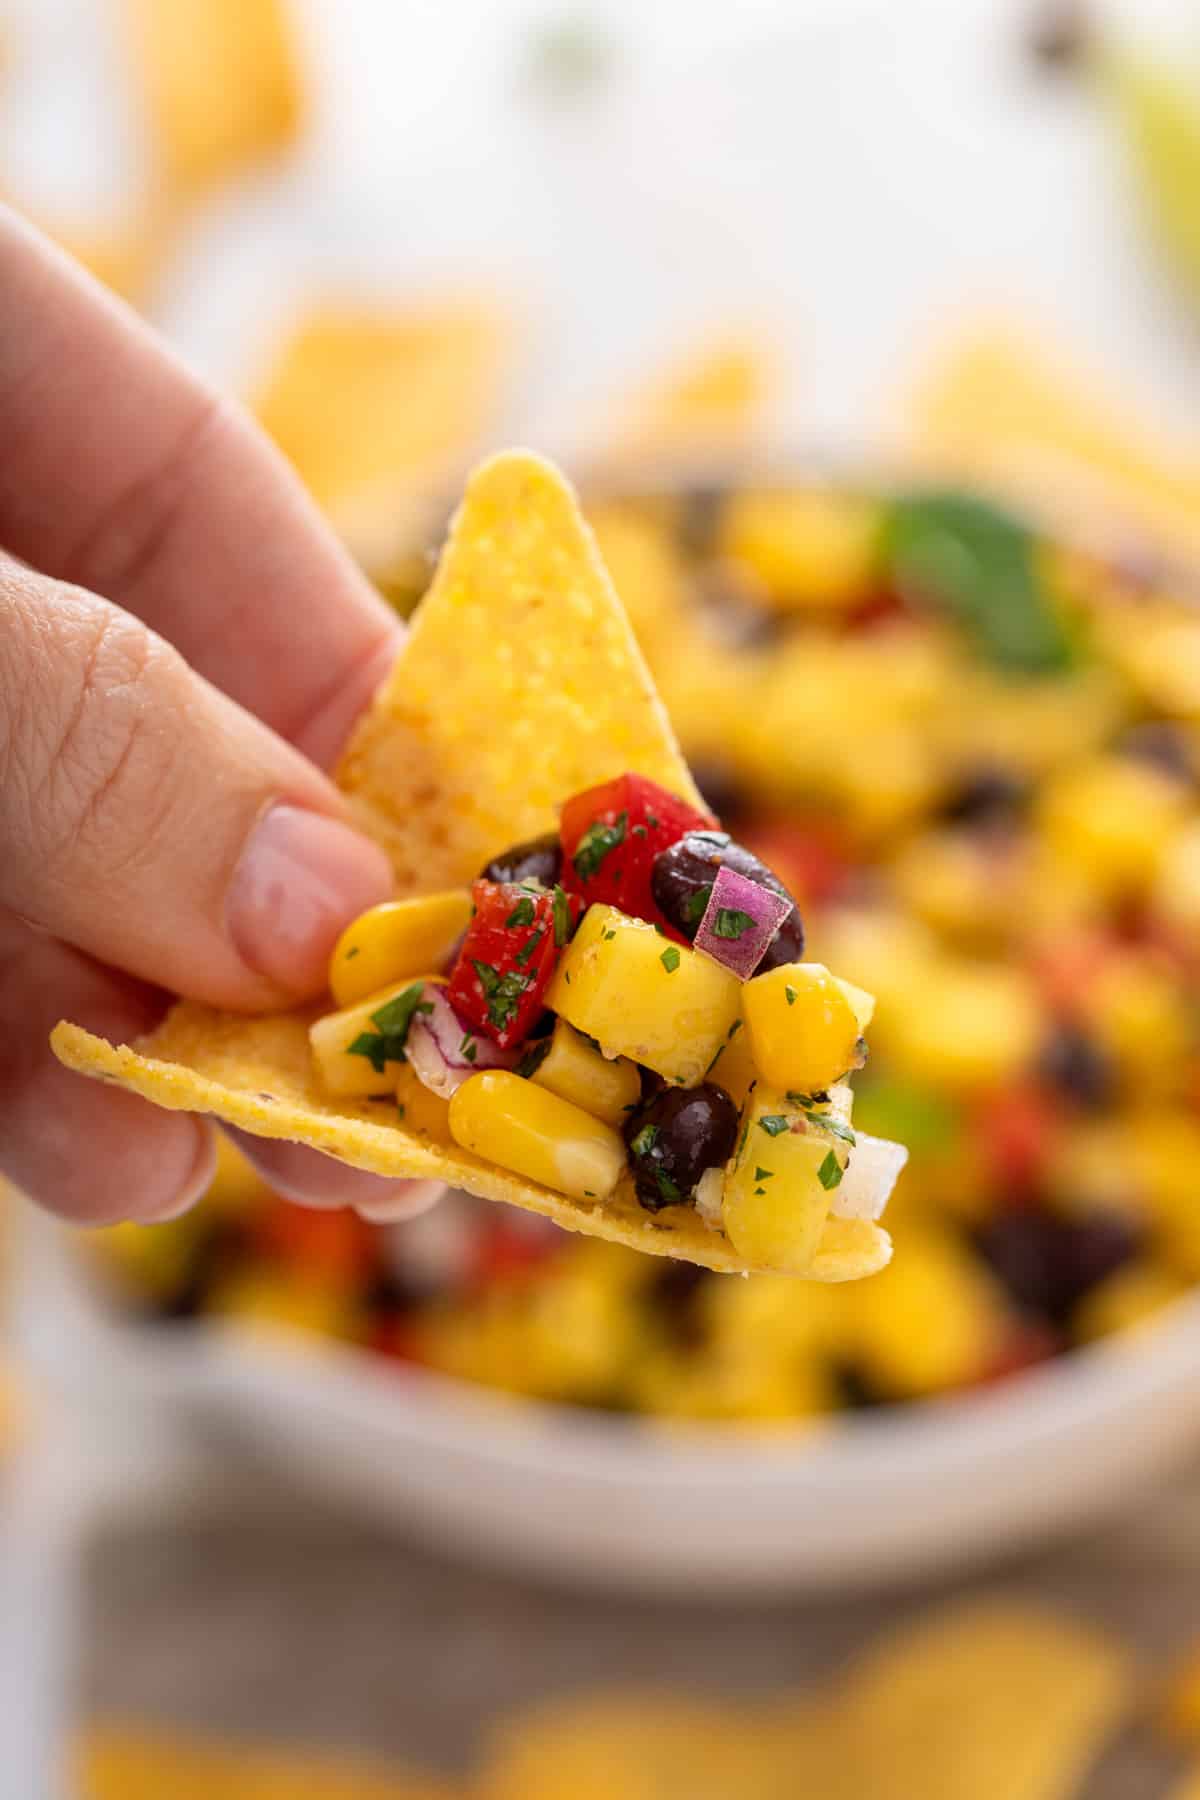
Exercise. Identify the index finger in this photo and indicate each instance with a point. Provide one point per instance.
(122, 472)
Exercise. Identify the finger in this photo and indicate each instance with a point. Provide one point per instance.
(93, 1153)
(315, 1180)
(122, 472)
(151, 822)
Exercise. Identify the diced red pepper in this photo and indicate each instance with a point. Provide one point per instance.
(511, 949)
(398, 1338)
(1024, 1345)
(1016, 1128)
(336, 1244)
(611, 836)
(501, 1252)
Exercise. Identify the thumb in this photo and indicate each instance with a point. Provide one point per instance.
(150, 821)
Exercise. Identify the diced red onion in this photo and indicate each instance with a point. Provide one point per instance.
(444, 1052)
(734, 893)
(871, 1174)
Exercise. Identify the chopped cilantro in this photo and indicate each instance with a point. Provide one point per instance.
(562, 917)
(670, 959)
(645, 1140)
(763, 1174)
(670, 1190)
(741, 1145)
(608, 935)
(352, 952)
(830, 1172)
(533, 1059)
(760, 1190)
(596, 843)
(695, 906)
(718, 1053)
(400, 1109)
(469, 1048)
(523, 955)
(731, 922)
(392, 1022)
(826, 1122)
(774, 1123)
(651, 820)
(790, 994)
(502, 992)
(820, 1098)
(733, 1029)
(521, 914)
(639, 831)
(589, 1193)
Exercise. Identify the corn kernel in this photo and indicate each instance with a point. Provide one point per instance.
(801, 1026)
(778, 1187)
(420, 1108)
(525, 1128)
(1113, 818)
(576, 1071)
(641, 996)
(395, 941)
(330, 1038)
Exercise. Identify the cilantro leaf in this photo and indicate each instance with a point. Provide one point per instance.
(732, 922)
(596, 843)
(835, 1128)
(524, 954)
(830, 1173)
(521, 914)
(562, 917)
(645, 1140)
(696, 905)
(790, 994)
(774, 1123)
(392, 1022)
(670, 959)
(502, 992)
(533, 1059)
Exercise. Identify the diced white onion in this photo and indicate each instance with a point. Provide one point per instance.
(707, 1196)
(871, 1174)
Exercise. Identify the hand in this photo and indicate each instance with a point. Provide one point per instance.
(184, 647)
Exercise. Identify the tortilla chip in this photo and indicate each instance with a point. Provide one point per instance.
(647, 1746)
(376, 407)
(1003, 409)
(467, 748)
(116, 1762)
(992, 1700)
(713, 403)
(222, 84)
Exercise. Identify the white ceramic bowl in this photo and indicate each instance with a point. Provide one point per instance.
(869, 1498)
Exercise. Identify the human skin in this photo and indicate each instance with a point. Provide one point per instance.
(184, 648)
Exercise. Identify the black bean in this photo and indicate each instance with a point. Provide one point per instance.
(674, 1137)
(1060, 37)
(732, 613)
(682, 880)
(700, 509)
(1076, 1065)
(987, 797)
(1162, 745)
(538, 860)
(1047, 1263)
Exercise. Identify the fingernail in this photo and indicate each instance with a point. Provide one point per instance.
(300, 880)
(408, 1201)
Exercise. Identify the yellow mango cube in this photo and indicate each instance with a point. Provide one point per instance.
(343, 1070)
(802, 1028)
(641, 996)
(395, 941)
(1113, 818)
(523, 1127)
(575, 1070)
(789, 1161)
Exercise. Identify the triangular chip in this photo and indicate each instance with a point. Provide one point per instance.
(520, 685)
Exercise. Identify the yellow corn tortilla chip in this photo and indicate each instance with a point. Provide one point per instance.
(376, 406)
(519, 685)
(994, 1700)
(119, 1762)
(221, 81)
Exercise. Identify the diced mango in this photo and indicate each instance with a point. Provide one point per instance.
(931, 1321)
(974, 1025)
(575, 1070)
(1113, 818)
(813, 549)
(862, 1004)
(801, 1026)
(341, 1070)
(420, 1108)
(523, 1127)
(641, 996)
(788, 1162)
(395, 941)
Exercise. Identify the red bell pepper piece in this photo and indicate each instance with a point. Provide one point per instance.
(510, 951)
(611, 836)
